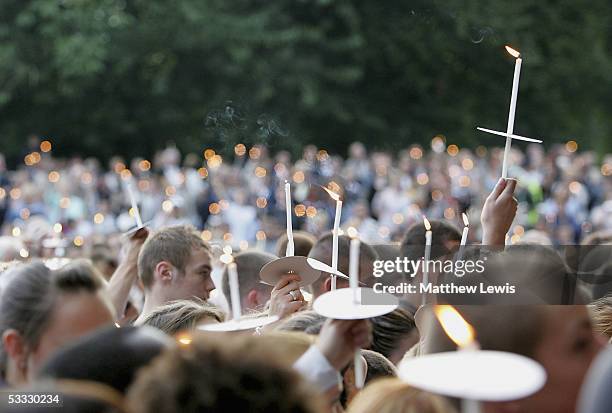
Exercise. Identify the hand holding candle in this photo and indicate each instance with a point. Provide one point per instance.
(498, 213)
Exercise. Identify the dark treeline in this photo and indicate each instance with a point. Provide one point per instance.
(124, 76)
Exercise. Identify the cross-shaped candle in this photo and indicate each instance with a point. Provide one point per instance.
(509, 134)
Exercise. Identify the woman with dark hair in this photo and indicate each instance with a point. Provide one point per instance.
(41, 310)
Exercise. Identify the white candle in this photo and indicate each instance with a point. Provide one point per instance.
(464, 236)
(335, 234)
(261, 241)
(134, 205)
(354, 268)
(469, 405)
(234, 290)
(335, 241)
(466, 229)
(427, 257)
(463, 335)
(359, 370)
(512, 112)
(290, 245)
(354, 285)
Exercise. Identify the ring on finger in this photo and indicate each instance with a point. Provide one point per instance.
(293, 294)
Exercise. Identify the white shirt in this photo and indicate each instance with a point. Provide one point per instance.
(315, 368)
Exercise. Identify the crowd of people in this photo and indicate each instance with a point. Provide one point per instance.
(564, 194)
(114, 318)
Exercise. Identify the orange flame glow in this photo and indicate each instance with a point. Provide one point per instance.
(427, 224)
(333, 195)
(514, 53)
(184, 339)
(454, 325)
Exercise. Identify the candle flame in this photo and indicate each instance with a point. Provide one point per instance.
(513, 52)
(352, 232)
(465, 219)
(427, 224)
(454, 325)
(227, 258)
(333, 195)
(184, 339)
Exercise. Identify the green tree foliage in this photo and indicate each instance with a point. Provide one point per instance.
(125, 76)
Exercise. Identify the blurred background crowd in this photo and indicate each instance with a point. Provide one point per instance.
(75, 207)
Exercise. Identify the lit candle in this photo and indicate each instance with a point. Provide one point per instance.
(358, 366)
(290, 245)
(462, 334)
(512, 112)
(466, 229)
(232, 273)
(509, 134)
(261, 240)
(335, 233)
(427, 256)
(134, 205)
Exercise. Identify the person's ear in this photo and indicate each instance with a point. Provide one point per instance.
(252, 299)
(326, 285)
(164, 272)
(365, 368)
(15, 348)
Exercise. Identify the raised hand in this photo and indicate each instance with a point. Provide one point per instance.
(339, 339)
(127, 272)
(286, 297)
(498, 213)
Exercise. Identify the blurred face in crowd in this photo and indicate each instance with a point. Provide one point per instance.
(240, 197)
(361, 211)
(73, 315)
(357, 151)
(566, 350)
